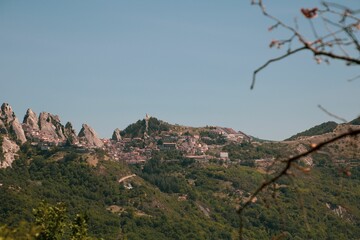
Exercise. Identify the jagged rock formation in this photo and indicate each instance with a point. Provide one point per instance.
(11, 123)
(31, 120)
(18, 130)
(9, 149)
(89, 136)
(116, 135)
(70, 133)
(7, 113)
(3, 129)
(51, 127)
(47, 128)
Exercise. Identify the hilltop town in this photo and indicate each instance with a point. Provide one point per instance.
(135, 144)
(141, 140)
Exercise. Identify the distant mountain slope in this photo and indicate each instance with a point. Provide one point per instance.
(356, 121)
(317, 130)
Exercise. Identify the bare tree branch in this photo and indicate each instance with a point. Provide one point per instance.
(348, 60)
(271, 61)
(331, 114)
(353, 78)
(340, 17)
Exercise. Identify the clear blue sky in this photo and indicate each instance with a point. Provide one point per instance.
(108, 63)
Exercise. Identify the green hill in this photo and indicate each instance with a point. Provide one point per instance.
(317, 130)
(138, 129)
(356, 121)
(179, 199)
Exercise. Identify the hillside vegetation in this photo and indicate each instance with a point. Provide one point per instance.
(356, 121)
(326, 127)
(138, 129)
(181, 198)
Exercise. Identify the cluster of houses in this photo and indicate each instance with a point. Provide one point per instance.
(139, 150)
(231, 135)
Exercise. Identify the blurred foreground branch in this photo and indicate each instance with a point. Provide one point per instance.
(335, 35)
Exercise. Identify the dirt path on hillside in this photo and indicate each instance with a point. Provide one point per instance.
(126, 177)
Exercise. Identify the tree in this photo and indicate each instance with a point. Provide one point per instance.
(79, 228)
(51, 223)
(51, 220)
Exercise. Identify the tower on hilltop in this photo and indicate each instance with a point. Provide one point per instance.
(147, 118)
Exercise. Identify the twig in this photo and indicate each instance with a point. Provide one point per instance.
(331, 114)
(354, 78)
(271, 61)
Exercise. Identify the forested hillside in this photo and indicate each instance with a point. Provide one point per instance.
(179, 199)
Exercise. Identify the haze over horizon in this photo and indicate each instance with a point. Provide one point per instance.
(188, 63)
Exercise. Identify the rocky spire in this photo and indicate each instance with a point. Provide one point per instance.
(116, 135)
(50, 126)
(31, 120)
(88, 135)
(9, 150)
(18, 130)
(7, 114)
(11, 123)
(70, 133)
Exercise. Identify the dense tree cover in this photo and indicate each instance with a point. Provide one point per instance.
(145, 211)
(247, 152)
(317, 130)
(296, 208)
(161, 174)
(138, 129)
(70, 181)
(168, 155)
(175, 198)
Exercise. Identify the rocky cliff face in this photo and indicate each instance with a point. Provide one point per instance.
(9, 149)
(70, 133)
(18, 130)
(3, 129)
(116, 135)
(10, 123)
(89, 136)
(48, 128)
(7, 113)
(31, 120)
(51, 127)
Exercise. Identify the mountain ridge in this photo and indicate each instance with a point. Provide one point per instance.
(186, 182)
(132, 144)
